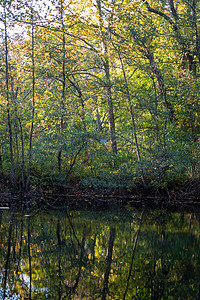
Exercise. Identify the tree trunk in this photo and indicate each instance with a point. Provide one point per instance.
(59, 156)
(13, 176)
(111, 118)
(132, 116)
(160, 82)
(33, 98)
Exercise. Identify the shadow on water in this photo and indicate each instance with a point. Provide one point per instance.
(131, 254)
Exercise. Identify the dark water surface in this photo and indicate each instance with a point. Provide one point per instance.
(99, 255)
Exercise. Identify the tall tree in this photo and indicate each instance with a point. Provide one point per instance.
(33, 91)
(108, 84)
(5, 7)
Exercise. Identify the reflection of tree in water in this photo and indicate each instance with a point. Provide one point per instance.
(65, 289)
(73, 256)
(108, 263)
(7, 257)
(133, 254)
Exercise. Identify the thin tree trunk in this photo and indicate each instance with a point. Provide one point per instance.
(1, 167)
(13, 177)
(82, 114)
(156, 109)
(160, 81)
(59, 156)
(111, 118)
(132, 115)
(76, 86)
(194, 6)
(15, 95)
(33, 97)
(23, 157)
(74, 161)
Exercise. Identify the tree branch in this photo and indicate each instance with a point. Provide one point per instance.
(173, 10)
(158, 12)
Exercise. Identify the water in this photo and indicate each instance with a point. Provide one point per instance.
(99, 255)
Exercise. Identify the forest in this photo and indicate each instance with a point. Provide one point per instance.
(99, 93)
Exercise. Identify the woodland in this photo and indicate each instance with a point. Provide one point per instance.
(99, 93)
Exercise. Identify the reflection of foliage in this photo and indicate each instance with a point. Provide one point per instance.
(68, 255)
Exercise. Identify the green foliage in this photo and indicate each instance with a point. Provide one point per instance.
(120, 74)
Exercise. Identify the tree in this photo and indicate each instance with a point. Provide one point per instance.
(5, 6)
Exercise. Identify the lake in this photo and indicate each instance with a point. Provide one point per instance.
(125, 254)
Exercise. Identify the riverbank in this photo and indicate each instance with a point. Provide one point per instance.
(75, 197)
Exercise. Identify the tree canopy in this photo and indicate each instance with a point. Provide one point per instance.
(102, 92)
